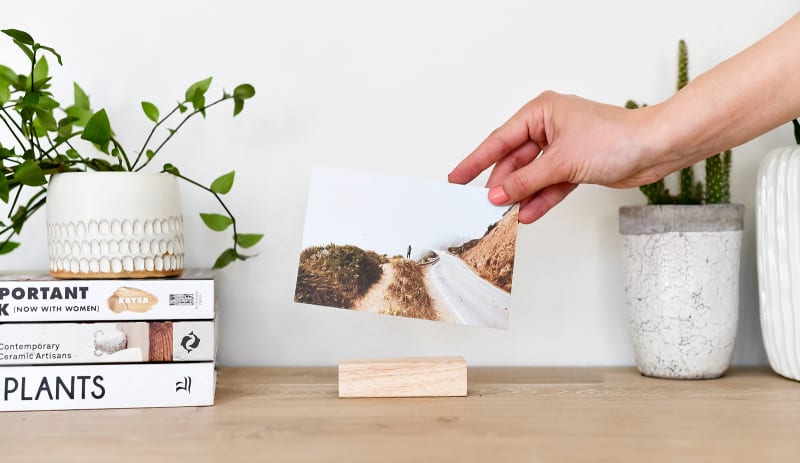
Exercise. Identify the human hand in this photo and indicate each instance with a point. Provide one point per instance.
(580, 141)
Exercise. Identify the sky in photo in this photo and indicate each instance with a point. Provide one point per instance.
(386, 213)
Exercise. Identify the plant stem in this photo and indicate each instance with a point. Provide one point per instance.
(13, 204)
(22, 145)
(221, 202)
(31, 129)
(28, 213)
(81, 159)
(123, 154)
(173, 132)
(66, 140)
(153, 131)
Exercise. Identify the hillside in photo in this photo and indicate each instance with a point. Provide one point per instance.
(492, 256)
(336, 275)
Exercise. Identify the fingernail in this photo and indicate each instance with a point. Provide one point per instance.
(498, 196)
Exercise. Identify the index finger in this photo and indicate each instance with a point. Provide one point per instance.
(495, 147)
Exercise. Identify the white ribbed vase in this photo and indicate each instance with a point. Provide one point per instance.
(114, 225)
(778, 237)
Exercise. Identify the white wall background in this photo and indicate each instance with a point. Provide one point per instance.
(403, 87)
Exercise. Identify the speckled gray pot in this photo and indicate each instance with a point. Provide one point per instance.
(682, 287)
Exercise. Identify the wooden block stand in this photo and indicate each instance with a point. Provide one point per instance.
(406, 377)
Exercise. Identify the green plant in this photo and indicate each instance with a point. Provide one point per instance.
(44, 139)
(718, 167)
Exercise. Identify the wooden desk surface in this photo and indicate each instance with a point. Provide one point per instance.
(518, 414)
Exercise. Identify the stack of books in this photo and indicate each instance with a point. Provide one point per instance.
(80, 344)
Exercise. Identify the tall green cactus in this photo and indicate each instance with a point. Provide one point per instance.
(718, 167)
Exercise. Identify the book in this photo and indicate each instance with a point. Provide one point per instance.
(66, 387)
(41, 298)
(120, 342)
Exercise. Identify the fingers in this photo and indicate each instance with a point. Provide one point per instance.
(500, 143)
(534, 208)
(528, 180)
(522, 156)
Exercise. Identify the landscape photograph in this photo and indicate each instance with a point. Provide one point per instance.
(395, 246)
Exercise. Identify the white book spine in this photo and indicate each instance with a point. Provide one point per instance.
(118, 342)
(49, 300)
(67, 387)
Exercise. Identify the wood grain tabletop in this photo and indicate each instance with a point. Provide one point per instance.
(510, 414)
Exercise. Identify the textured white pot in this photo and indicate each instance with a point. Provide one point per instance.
(778, 237)
(682, 287)
(114, 225)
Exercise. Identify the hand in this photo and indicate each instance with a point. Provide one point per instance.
(556, 142)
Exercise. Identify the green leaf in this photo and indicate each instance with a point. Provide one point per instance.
(28, 52)
(40, 70)
(42, 83)
(29, 173)
(149, 154)
(198, 88)
(150, 110)
(18, 219)
(19, 36)
(27, 115)
(171, 169)
(55, 53)
(223, 184)
(4, 188)
(72, 154)
(248, 240)
(199, 102)
(227, 257)
(5, 94)
(182, 108)
(47, 120)
(81, 99)
(30, 100)
(7, 247)
(98, 130)
(67, 121)
(38, 129)
(238, 106)
(81, 115)
(244, 91)
(47, 102)
(6, 74)
(216, 222)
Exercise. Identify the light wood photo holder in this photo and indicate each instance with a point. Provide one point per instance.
(403, 377)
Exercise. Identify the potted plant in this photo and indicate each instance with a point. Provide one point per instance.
(107, 217)
(681, 256)
(778, 245)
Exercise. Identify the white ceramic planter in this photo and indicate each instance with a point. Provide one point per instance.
(114, 225)
(682, 287)
(778, 237)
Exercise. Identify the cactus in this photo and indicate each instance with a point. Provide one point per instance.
(718, 167)
(683, 64)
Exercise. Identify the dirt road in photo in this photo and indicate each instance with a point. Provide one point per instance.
(473, 300)
(375, 301)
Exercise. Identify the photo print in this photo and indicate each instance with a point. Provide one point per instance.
(403, 247)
